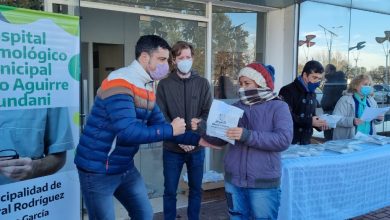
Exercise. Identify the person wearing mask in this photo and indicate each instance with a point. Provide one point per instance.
(185, 94)
(301, 98)
(252, 165)
(332, 91)
(124, 115)
(351, 107)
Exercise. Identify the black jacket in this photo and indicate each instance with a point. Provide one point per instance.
(185, 98)
(302, 107)
(333, 89)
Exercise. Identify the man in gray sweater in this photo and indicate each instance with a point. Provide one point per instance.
(187, 95)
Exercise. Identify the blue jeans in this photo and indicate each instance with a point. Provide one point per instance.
(173, 164)
(129, 188)
(252, 203)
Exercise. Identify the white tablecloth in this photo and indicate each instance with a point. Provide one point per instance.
(336, 186)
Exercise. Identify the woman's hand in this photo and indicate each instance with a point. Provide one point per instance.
(234, 133)
(357, 121)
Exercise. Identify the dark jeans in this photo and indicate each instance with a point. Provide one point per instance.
(173, 164)
(129, 188)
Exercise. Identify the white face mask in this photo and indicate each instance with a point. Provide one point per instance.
(184, 66)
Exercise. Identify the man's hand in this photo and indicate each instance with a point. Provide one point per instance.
(195, 123)
(186, 148)
(17, 169)
(319, 123)
(178, 126)
(234, 133)
(204, 143)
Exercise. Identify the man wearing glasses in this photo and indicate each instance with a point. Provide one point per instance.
(33, 142)
(301, 98)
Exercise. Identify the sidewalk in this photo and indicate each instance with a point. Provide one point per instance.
(215, 209)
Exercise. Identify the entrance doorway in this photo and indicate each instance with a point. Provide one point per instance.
(106, 58)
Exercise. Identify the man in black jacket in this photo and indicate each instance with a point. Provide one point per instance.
(333, 89)
(187, 95)
(301, 98)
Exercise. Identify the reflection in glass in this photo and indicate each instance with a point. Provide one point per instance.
(360, 45)
(308, 43)
(371, 59)
(176, 6)
(347, 38)
(329, 24)
(385, 41)
(329, 36)
(234, 46)
(173, 30)
(372, 5)
(346, 3)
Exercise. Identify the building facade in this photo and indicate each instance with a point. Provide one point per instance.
(227, 35)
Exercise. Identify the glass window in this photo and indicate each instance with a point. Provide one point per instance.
(347, 39)
(235, 43)
(367, 55)
(60, 8)
(177, 6)
(371, 56)
(323, 35)
(346, 3)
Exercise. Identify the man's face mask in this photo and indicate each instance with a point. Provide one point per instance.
(314, 82)
(161, 71)
(184, 66)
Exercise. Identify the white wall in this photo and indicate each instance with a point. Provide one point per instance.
(107, 27)
(280, 46)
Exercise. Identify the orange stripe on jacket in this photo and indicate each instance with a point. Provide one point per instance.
(143, 93)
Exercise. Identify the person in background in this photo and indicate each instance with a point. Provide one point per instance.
(351, 106)
(333, 89)
(185, 94)
(301, 98)
(124, 115)
(253, 165)
(33, 142)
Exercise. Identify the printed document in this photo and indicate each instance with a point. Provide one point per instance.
(331, 120)
(370, 114)
(221, 117)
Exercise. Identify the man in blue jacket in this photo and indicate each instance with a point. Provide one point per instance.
(124, 116)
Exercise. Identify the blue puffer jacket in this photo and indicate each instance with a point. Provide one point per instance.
(124, 116)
